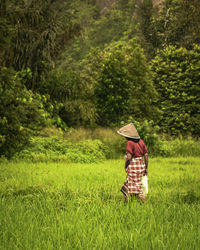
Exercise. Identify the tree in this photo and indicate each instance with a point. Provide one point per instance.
(183, 23)
(124, 87)
(75, 94)
(21, 111)
(145, 17)
(40, 29)
(177, 81)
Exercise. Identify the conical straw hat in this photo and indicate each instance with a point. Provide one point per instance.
(129, 131)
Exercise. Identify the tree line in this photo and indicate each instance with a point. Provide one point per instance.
(67, 63)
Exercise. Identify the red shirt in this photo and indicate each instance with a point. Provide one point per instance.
(136, 149)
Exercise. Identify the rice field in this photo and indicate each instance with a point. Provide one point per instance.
(79, 206)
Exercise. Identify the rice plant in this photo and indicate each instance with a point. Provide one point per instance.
(79, 206)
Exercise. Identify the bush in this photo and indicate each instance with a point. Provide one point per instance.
(89, 146)
(113, 143)
(179, 147)
(57, 149)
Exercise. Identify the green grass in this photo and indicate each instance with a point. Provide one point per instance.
(79, 206)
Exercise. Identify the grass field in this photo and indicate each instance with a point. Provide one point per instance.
(79, 206)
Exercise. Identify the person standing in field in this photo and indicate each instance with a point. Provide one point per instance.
(136, 163)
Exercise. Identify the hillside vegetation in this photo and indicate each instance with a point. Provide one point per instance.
(71, 64)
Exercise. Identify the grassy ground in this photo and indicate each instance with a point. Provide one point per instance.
(79, 206)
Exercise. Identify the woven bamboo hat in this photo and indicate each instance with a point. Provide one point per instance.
(129, 131)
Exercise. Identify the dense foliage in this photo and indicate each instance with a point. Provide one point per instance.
(21, 111)
(73, 95)
(177, 80)
(36, 32)
(168, 22)
(87, 146)
(56, 149)
(124, 87)
(97, 63)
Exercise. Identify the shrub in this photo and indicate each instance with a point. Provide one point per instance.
(113, 143)
(179, 147)
(57, 149)
(89, 146)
